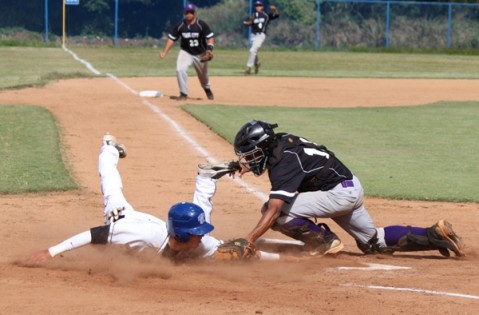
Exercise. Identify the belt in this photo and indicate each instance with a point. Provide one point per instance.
(347, 183)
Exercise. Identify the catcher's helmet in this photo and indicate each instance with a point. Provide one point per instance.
(190, 7)
(252, 144)
(185, 219)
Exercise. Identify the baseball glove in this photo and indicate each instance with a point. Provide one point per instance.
(206, 56)
(247, 21)
(237, 249)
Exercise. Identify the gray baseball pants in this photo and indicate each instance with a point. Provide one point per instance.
(184, 61)
(343, 204)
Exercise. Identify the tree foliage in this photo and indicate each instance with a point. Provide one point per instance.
(300, 10)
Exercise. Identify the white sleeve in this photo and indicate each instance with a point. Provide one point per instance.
(208, 246)
(81, 239)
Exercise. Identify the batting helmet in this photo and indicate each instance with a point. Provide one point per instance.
(252, 144)
(190, 7)
(258, 3)
(185, 219)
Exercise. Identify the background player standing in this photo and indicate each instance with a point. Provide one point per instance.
(259, 23)
(196, 38)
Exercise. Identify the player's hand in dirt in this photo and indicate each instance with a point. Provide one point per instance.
(39, 256)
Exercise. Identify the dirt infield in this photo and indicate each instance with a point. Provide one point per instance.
(160, 170)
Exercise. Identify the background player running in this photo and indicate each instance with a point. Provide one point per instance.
(259, 23)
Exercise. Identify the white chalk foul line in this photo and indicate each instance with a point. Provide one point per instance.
(373, 267)
(86, 63)
(202, 151)
(127, 87)
(177, 127)
(378, 287)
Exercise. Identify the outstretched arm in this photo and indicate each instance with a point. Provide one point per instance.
(73, 242)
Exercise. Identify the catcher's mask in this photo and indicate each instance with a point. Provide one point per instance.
(185, 219)
(252, 145)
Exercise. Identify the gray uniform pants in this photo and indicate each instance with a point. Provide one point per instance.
(184, 61)
(344, 205)
(257, 41)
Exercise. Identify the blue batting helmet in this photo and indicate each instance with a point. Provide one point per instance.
(185, 219)
(190, 7)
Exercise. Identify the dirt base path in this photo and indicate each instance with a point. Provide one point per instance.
(160, 170)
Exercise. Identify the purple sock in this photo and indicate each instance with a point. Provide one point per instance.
(393, 233)
(308, 223)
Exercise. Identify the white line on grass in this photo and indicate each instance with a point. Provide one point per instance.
(378, 287)
(86, 63)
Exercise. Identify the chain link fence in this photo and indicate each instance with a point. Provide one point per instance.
(316, 24)
(343, 24)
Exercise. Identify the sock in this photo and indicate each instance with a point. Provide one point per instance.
(393, 233)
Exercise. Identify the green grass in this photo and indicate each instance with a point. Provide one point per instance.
(26, 66)
(30, 158)
(32, 66)
(425, 152)
(146, 62)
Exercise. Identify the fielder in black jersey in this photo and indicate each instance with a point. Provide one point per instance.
(196, 38)
(308, 181)
(259, 24)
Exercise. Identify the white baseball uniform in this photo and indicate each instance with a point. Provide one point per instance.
(136, 229)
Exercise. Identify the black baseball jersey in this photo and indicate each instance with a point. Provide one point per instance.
(193, 36)
(298, 165)
(261, 21)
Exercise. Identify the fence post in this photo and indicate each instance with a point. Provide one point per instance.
(115, 37)
(388, 7)
(449, 24)
(46, 22)
(318, 24)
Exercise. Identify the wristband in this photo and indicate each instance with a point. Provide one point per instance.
(209, 47)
